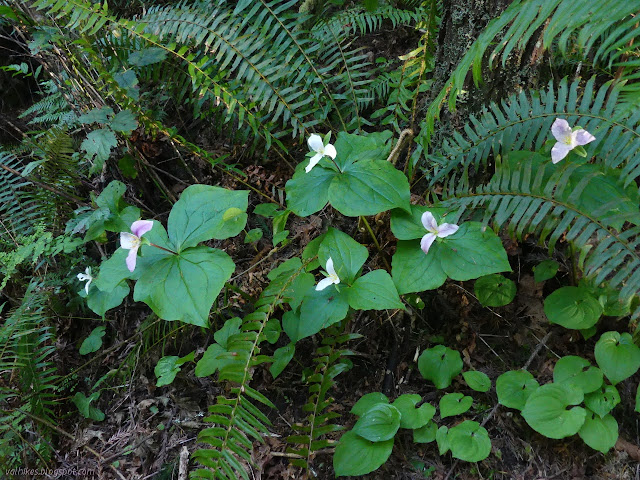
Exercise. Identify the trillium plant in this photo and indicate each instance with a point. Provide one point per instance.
(435, 230)
(568, 139)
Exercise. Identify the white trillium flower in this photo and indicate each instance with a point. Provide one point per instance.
(83, 277)
(332, 276)
(132, 241)
(567, 139)
(316, 144)
(435, 230)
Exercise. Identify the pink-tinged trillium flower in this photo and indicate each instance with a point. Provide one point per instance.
(435, 230)
(567, 139)
(316, 144)
(83, 277)
(332, 276)
(132, 241)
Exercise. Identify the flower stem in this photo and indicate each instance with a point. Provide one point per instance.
(375, 241)
(162, 248)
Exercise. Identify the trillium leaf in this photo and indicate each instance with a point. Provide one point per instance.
(408, 226)
(476, 380)
(599, 433)
(195, 276)
(355, 455)
(425, 434)
(231, 327)
(348, 255)
(617, 356)
(100, 301)
(379, 423)
(578, 372)
(453, 404)
(374, 291)
(469, 441)
(603, 400)
(369, 187)
(440, 365)
(308, 193)
(473, 251)
(319, 310)
(168, 367)
(367, 402)
(412, 417)
(572, 307)
(546, 410)
(514, 388)
(352, 147)
(281, 358)
(111, 197)
(199, 215)
(494, 290)
(93, 342)
(413, 271)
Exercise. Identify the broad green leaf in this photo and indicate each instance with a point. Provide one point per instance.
(268, 210)
(147, 56)
(599, 433)
(127, 166)
(453, 404)
(93, 342)
(352, 147)
(412, 417)
(230, 327)
(111, 196)
(298, 289)
(379, 423)
(113, 271)
(85, 408)
(367, 402)
(469, 441)
(100, 301)
(369, 187)
(603, 400)
(546, 410)
(199, 215)
(210, 361)
(281, 358)
(319, 310)
(98, 145)
(413, 271)
(545, 270)
(253, 235)
(440, 365)
(494, 290)
(355, 455)
(124, 121)
(473, 251)
(308, 193)
(425, 434)
(514, 388)
(374, 291)
(572, 307)
(347, 254)
(477, 381)
(196, 277)
(168, 367)
(271, 331)
(617, 356)
(579, 372)
(407, 226)
(442, 440)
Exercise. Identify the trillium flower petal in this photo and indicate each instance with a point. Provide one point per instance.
(583, 137)
(315, 142)
(561, 129)
(313, 162)
(140, 227)
(127, 240)
(559, 151)
(324, 283)
(427, 240)
(131, 259)
(330, 270)
(429, 222)
(447, 229)
(330, 150)
(86, 287)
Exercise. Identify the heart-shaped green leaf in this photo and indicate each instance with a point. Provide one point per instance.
(578, 372)
(425, 434)
(93, 342)
(367, 402)
(440, 365)
(572, 307)
(374, 291)
(494, 290)
(413, 271)
(379, 423)
(603, 400)
(355, 455)
(100, 301)
(413, 417)
(319, 310)
(281, 358)
(617, 356)
(546, 410)
(514, 388)
(469, 441)
(599, 433)
(476, 380)
(454, 404)
(545, 270)
(308, 193)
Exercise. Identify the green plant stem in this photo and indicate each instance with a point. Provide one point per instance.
(375, 242)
